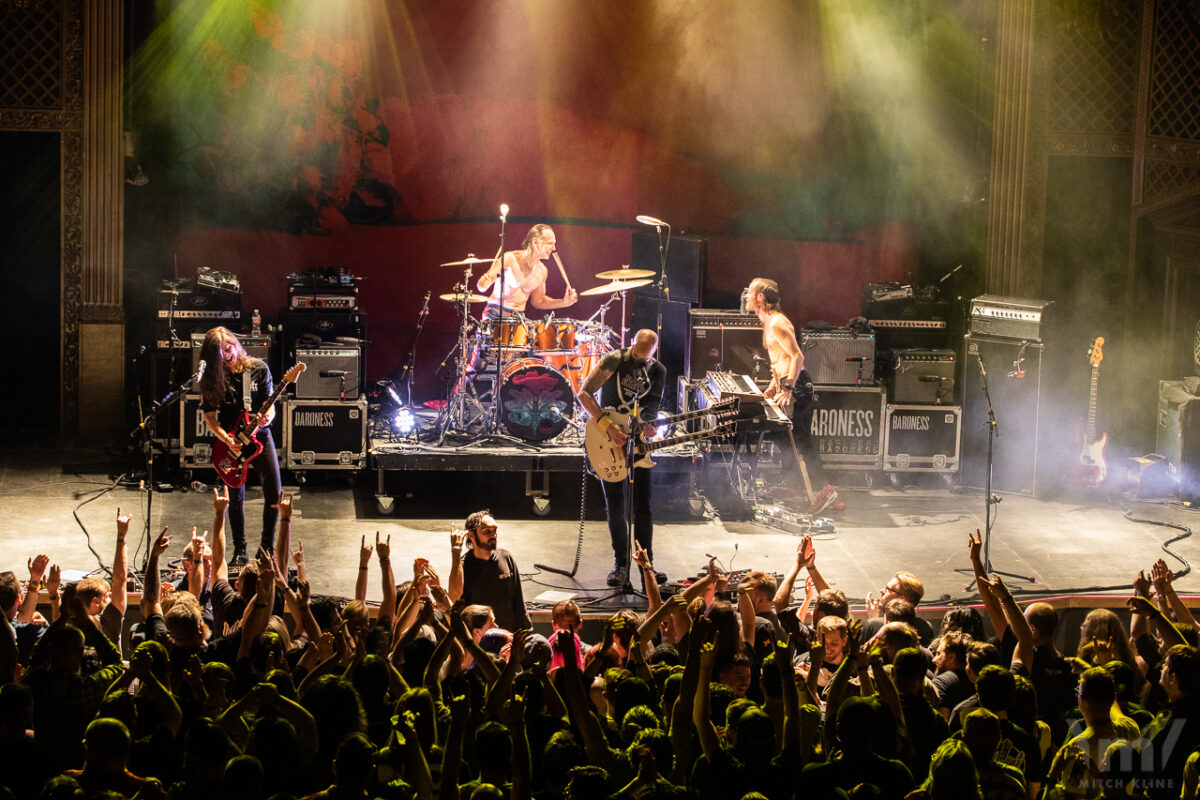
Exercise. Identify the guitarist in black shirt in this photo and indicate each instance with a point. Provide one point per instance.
(627, 378)
(234, 381)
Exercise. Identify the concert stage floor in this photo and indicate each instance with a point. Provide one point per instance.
(1069, 545)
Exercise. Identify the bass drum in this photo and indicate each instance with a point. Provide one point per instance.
(537, 400)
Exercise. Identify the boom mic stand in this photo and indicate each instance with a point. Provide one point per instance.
(497, 403)
(410, 361)
(145, 432)
(991, 499)
(664, 289)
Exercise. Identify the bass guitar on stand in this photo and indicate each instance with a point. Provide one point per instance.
(1091, 466)
(232, 467)
(608, 460)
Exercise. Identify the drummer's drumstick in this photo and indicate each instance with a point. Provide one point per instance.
(558, 261)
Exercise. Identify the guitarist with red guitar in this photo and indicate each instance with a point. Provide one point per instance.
(234, 390)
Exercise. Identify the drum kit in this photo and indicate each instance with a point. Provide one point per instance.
(542, 363)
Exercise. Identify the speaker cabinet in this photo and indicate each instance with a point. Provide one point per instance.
(1178, 436)
(310, 328)
(687, 261)
(725, 341)
(256, 346)
(1017, 404)
(922, 377)
(672, 340)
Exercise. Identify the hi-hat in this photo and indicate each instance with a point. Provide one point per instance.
(470, 259)
(458, 297)
(625, 274)
(616, 286)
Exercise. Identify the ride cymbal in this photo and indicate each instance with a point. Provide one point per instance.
(458, 297)
(625, 274)
(616, 286)
(470, 259)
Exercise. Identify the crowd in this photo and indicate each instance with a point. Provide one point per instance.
(250, 688)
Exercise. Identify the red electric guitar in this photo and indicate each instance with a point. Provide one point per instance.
(231, 466)
(1091, 465)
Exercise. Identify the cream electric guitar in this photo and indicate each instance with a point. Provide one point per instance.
(609, 461)
(1092, 467)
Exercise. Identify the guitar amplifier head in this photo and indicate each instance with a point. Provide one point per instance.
(256, 346)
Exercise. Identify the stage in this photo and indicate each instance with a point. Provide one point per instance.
(1071, 545)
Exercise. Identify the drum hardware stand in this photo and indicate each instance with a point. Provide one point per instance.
(454, 413)
(990, 499)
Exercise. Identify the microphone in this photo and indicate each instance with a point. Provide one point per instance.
(859, 359)
(1017, 373)
(353, 340)
(425, 305)
(503, 212)
(334, 373)
(655, 221)
(979, 358)
(200, 372)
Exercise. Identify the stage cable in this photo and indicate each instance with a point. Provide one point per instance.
(97, 494)
(583, 476)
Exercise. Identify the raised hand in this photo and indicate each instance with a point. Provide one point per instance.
(1161, 575)
(806, 553)
(419, 567)
(37, 568)
(975, 545)
(220, 499)
(364, 552)
(298, 555)
(197, 545)
(1141, 584)
(383, 547)
(285, 505)
(457, 538)
(873, 605)
(123, 521)
(641, 557)
(54, 580)
(160, 544)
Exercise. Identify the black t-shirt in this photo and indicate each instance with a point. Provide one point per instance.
(629, 381)
(260, 388)
(496, 582)
(953, 687)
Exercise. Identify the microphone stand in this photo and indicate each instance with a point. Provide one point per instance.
(145, 431)
(411, 360)
(991, 499)
(497, 403)
(664, 289)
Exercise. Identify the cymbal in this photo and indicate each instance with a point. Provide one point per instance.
(616, 286)
(470, 259)
(624, 274)
(458, 297)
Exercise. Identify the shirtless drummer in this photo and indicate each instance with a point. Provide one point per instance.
(524, 277)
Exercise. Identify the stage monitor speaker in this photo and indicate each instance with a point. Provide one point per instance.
(725, 341)
(687, 261)
(1017, 404)
(672, 340)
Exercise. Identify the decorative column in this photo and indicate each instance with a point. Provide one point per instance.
(1016, 200)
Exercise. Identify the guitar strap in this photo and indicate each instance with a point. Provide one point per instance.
(246, 390)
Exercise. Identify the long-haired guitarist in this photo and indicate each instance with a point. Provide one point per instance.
(625, 378)
(235, 381)
(790, 383)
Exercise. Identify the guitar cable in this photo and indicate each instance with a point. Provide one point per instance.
(583, 476)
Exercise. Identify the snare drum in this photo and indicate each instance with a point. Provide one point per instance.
(554, 334)
(537, 400)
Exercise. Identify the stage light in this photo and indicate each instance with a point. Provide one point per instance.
(404, 421)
